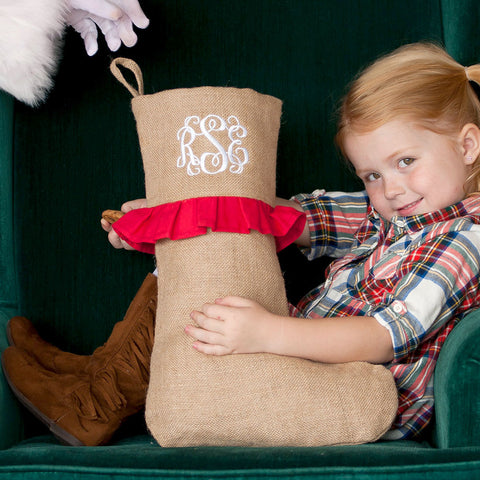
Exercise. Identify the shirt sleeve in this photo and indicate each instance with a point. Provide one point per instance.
(333, 219)
(436, 282)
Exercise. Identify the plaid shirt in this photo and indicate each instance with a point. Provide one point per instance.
(417, 276)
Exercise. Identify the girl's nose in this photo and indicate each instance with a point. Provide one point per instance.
(392, 187)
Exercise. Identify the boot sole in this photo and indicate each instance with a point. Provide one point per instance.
(62, 435)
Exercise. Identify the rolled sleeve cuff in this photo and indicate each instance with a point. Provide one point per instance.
(395, 318)
(309, 204)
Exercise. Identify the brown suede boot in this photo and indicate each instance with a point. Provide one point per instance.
(87, 407)
(63, 402)
(120, 369)
(21, 333)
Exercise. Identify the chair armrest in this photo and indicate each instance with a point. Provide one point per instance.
(11, 422)
(457, 386)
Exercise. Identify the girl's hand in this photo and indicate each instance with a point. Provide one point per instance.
(231, 325)
(113, 238)
(238, 325)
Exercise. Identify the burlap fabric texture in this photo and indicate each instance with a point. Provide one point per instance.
(245, 400)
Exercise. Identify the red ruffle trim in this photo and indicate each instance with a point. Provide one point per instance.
(143, 227)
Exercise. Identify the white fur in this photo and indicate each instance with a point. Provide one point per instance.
(30, 44)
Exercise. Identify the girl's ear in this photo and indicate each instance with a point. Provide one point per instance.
(470, 141)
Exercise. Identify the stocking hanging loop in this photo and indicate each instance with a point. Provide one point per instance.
(134, 68)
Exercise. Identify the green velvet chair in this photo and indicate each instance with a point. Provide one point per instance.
(63, 163)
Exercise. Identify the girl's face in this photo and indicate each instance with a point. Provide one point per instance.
(410, 170)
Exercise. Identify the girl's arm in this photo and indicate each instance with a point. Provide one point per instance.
(239, 325)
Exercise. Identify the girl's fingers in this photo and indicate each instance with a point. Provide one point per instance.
(204, 336)
(217, 311)
(208, 334)
(134, 204)
(233, 301)
(105, 225)
(117, 242)
(114, 239)
(207, 323)
(208, 349)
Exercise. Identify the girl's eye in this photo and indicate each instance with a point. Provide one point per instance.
(405, 162)
(371, 177)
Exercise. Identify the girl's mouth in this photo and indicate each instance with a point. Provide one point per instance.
(409, 208)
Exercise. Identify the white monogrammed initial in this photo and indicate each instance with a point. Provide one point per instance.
(233, 157)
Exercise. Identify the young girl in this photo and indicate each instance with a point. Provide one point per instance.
(407, 248)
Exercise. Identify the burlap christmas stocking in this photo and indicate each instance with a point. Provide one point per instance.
(209, 157)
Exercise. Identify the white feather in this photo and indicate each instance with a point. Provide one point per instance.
(30, 45)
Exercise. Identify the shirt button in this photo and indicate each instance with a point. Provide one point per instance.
(401, 223)
(397, 308)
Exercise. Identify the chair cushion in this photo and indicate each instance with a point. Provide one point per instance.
(395, 460)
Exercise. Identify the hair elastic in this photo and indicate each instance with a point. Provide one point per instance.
(466, 74)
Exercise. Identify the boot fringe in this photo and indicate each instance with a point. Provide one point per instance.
(106, 386)
(86, 406)
(132, 358)
(137, 352)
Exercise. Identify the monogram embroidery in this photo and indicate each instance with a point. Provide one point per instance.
(217, 161)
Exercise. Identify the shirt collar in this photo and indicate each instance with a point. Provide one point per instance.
(468, 206)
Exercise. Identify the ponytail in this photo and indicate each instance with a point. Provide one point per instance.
(473, 73)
